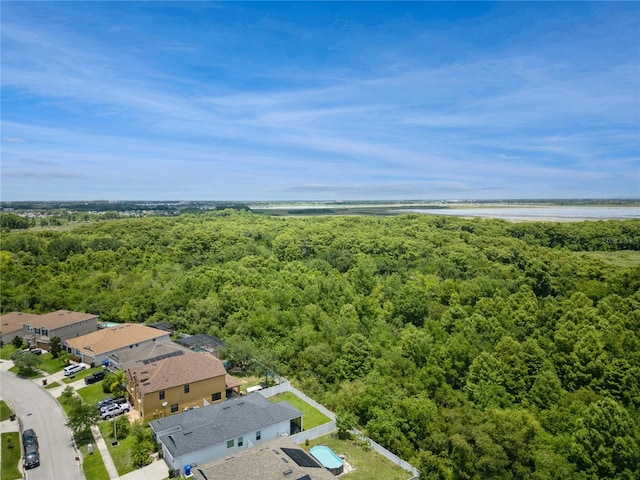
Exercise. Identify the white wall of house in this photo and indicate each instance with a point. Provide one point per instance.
(220, 450)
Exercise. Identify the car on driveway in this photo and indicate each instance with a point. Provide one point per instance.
(94, 377)
(114, 410)
(71, 370)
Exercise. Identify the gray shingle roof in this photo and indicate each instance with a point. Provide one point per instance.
(203, 427)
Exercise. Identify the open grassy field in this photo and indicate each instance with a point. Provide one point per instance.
(621, 258)
(312, 417)
(11, 452)
(367, 463)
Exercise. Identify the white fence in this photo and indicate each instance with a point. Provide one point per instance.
(329, 427)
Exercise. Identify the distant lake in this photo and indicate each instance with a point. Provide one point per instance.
(551, 213)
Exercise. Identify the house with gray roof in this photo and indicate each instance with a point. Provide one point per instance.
(219, 430)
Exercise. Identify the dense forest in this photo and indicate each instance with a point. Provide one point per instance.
(475, 349)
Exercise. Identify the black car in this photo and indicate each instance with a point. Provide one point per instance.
(29, 438)
(94, 377)
(31, 456)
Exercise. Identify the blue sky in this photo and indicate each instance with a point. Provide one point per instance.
(320, 101)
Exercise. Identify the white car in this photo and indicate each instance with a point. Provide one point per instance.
(73, 369)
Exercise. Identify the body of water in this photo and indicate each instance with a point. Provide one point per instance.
(551, 213)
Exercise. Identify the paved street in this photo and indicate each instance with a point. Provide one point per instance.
(37, 409)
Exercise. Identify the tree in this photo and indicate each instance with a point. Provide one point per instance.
(55, 346)
(27, 362)
(17, 342)
(81, 416)
(114, 382)
(345, 422)
(239, 351)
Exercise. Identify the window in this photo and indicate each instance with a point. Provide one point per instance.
(45, 332)
(258, 435)
(216, 396)
(161, 394)
(240, 441)
(174, 407)
(186, 388)
(38, 331)
(230, 443)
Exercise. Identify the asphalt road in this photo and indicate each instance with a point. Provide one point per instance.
(37, 409)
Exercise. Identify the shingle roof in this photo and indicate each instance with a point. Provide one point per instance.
(12, 322)
(60, 318)
(262, 462)
(203, 427)
(136, 357)
(179, 369)
(109, 339)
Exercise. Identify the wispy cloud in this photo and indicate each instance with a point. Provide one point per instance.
(252, 101)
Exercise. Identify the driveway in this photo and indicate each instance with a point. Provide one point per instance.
(36, 409)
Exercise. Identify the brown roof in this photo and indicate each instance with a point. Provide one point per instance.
(12, 322)
(59, 319)
(109, 339)
(265, 461)
(190, 367)
(232, 382)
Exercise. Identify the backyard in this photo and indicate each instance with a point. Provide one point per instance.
(367, 463)
(311, 417)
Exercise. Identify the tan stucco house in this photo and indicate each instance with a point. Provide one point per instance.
(176, 381)
(96, 346)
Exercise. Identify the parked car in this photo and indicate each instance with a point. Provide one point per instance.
(31, 457)
(94, 377)
(114, 410)
(73, 369)
(29, 438)
(36, 351)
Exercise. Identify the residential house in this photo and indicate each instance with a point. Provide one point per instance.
(64, 324)
(278, 459)
(172, 379)
(223, 429)
(11, 325)
(94, 347)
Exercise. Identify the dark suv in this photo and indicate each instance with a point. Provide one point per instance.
(31, 456)
(94, 377)
(29, 438)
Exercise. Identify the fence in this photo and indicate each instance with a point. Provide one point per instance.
(301, 437)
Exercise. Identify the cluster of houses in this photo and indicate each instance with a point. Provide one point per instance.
(202, 423)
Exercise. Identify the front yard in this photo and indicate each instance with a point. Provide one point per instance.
(10, 456)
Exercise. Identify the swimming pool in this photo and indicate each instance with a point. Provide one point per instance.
(328, 459)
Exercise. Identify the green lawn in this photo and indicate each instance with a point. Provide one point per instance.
(311, 417)
(121, 453)
(93, 465)
(368, 464)
(6, 351)
(10, 456)
(92, 393)
(5, 411)
(50, 364)
(52, 385)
